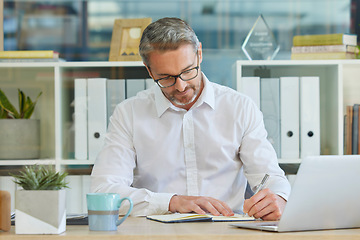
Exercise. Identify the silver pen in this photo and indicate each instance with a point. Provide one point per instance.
(262, 184)
(259, 188)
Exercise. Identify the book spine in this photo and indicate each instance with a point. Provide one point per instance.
(313, 40)
(355, 132)
(345, 133)
(321, 56)
(27, 60)
(27, 54)
(325, 49)
(349, 113)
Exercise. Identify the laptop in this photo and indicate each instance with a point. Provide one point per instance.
(325, 195)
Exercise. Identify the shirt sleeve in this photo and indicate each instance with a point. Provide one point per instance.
(259, 156)
(114, 166)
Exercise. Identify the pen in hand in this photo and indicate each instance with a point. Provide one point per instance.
(262, 184)
(259, 188)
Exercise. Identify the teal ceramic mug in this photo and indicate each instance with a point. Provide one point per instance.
(103, 211)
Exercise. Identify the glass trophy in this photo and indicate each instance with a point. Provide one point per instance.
(260, 43)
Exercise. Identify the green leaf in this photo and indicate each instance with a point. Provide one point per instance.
(30, 107)
(26, 106)
(22, 98)
(28, 111)
(40, 178)
(3, 113)
(7, 106)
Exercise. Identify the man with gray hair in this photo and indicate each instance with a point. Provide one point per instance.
(187, 144)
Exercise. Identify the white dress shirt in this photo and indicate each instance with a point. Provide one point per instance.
(154, 150)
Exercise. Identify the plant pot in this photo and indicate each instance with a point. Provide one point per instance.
(40, 212)
(19, 138)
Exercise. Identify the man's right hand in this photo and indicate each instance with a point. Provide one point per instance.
(200, 205)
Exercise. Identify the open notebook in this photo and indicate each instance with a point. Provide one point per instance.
(325, 195)
(193, 217)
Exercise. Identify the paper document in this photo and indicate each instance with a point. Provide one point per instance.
(192, 217)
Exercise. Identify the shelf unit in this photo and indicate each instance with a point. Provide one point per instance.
(54, 108)
(339, 87)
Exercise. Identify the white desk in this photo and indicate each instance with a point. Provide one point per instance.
(140, 228)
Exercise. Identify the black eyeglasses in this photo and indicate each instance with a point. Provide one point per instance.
(186, 75)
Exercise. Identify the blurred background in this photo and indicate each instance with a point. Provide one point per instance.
(81, 30)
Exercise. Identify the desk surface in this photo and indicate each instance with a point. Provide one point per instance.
(140, 228)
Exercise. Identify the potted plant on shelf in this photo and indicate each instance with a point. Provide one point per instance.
(40, 204)
(19, 135)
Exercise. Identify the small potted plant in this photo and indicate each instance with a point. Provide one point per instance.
(40, 204)
(19, 135)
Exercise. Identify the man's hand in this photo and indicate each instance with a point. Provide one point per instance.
(265, 204)
(200, 205)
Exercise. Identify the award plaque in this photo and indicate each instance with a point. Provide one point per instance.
(260, 43)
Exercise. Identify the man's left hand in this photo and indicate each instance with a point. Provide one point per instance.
(265, 205)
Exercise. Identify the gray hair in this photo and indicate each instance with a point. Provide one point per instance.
(166, 34)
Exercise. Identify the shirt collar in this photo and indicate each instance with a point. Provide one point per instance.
(207, 96)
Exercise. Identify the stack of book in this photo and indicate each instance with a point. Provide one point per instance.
(351, 130)
(29, 56)
(324, 46)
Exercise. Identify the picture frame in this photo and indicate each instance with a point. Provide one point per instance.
(125, 39)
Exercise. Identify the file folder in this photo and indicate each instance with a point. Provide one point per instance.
(250, 86)
(80, 119)
(149, 82)
(309, 116)
(97, 115)
(115, 94)
(270, 107)
(289, 111)
(133, 86)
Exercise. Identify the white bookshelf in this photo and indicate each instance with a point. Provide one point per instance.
(56, 81)
(339, 87)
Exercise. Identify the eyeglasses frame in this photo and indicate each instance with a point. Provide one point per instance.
(179, 75)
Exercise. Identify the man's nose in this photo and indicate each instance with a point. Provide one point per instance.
(180, 85)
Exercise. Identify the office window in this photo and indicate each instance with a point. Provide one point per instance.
(81, 30)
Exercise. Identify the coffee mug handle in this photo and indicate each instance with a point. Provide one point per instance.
(118, 222)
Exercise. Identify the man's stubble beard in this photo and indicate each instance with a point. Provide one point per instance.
(173, 99)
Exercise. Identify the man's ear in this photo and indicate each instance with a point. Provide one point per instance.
(148, 69)
(200, 53)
